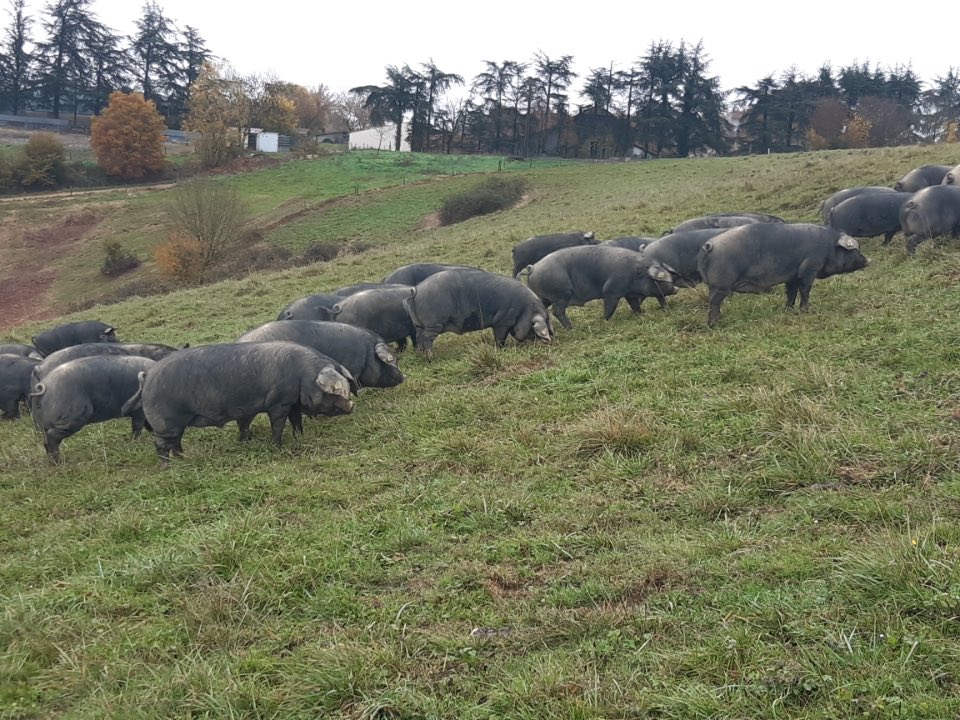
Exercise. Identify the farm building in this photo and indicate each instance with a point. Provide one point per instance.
(380, 138)
(269, 142)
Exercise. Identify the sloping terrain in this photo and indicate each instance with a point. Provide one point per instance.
(643, 519)
(61, 272)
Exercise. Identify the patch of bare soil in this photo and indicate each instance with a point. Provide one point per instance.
(523, 201)
(26, 258)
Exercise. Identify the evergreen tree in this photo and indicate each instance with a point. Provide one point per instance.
(437, 83)
(659, 84)
(17, 62)
(700, 120)
(942, 104)
(758, 109)
(390, 102)
(903, 86)
(192, 53)
(493, 84)
(858, 81)
(555, 75)
(599, 88)
(156, 55)
(825, 84)
(64, 58)
(109, 71)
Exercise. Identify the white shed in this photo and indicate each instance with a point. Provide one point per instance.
(379, 138)
(268, 142)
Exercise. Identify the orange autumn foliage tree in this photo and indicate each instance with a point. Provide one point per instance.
(128, 137)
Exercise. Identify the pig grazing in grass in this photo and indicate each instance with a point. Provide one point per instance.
(85, 391)
(577, 275)
(214, 384)
(463, 301)
(75, 333)
(364, 353)
(755, 258)
(538, 247)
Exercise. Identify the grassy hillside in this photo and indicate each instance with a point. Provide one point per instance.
(643, 519)
(53, 246)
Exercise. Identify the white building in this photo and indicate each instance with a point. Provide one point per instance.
(380, 138)
(266, 142)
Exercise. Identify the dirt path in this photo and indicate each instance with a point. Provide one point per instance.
(39, 197)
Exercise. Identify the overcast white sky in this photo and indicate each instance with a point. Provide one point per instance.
(342, 44)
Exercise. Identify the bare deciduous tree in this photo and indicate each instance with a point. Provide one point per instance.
(211, 216)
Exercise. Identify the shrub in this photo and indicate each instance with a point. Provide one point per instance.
(80, 174)
(42, 163)
(319, 252)
(8, 177)
(180, 258)
(128, 137)
(208, 219)
(306, 146)
(117, 261)
(494, 193)
(858, 132)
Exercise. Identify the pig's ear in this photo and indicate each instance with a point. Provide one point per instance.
(333, 383)
(848, 243)
(384, 353)
(660, 273)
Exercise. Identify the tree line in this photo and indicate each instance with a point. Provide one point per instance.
(666, 104)
(67, 61)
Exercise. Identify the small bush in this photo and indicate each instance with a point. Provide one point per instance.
(84, 174)
(117, 261)
(8, 178)
(494, 193)
(180, 258)
(319, 252)
(306, 146)
(43, 162)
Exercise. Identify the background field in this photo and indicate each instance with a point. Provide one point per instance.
(643, 519)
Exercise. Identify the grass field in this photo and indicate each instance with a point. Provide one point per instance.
(54, 246)
(643, 519)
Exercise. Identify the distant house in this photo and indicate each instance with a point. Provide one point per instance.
(383, 137)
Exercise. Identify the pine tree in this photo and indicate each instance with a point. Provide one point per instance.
(17, 61)
(156, 54)
(390, 102)
(192, 53)
(555, 75)
(700, 120)
(109, 70)
(65, 58)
